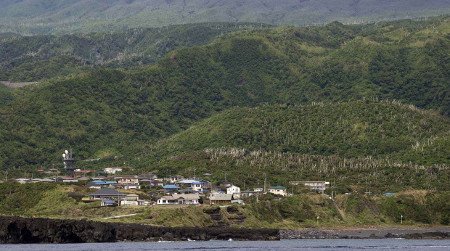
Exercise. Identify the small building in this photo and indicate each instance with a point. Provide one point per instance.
(318, 186)
(235, 191)
(156, 183)
(220, 198)
(132, 200)
(112, 170)
(23, 180)
(278, 190)
(147, 176)
(195, 185)
(83, 172)
(108, 203)
(174, 179)
(107, 193)
(45, 180)
(171, 188)
(248, 193)
(99, 184)
(179, 199)
(128, 182)
(66, 179)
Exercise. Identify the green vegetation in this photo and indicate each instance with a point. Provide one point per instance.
(59, 201)
(32, 58)
(6, 95)
(16, 199)
(120, 115)
(358, 145)
(350, 129)
(44, 16)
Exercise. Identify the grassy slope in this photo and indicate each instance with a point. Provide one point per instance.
(44, 16)
(62, 201)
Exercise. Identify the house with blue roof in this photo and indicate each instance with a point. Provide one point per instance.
(196, 185)
(99, 184)
(171, 188)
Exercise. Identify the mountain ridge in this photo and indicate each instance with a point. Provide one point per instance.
(43, 16)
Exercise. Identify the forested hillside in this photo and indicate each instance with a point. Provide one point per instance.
(116, 114)
(32, 58)
(364, 143)
(61, 16)
(350, 129)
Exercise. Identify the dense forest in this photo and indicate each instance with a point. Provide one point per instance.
(33, 58)
(120, 113)
(362, 143)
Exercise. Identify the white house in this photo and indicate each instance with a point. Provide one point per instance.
(234, 190)
(112, 170)
(278, 190)
(195, 185)
(128, 182)
(179, 199)
(132, 200)
(318, 186)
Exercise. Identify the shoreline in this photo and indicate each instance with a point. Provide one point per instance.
(432, 232)
(19, 230)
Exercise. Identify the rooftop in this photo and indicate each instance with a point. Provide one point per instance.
(170, 186)
(278, 187)
(181, 196)
(107, 192)
(220, 196)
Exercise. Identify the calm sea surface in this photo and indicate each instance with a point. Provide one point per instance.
(381, 244)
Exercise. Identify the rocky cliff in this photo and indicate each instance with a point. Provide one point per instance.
(40, 230)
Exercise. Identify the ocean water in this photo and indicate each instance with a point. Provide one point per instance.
(339, 244)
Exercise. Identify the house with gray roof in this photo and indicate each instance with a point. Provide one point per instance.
(107, 193)
(220, 198)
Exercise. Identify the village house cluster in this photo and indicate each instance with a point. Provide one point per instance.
(112, 188)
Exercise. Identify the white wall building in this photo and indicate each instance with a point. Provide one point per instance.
(112, 170)
(234, 190)
(179, 199)
(278, 190)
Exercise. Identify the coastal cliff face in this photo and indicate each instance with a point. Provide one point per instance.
(40, 230)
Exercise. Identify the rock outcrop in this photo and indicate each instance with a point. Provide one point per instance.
(41, 230)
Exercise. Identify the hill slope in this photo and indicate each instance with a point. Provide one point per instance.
(106, 113)
(31, 58)
(353, 129)
(359, 145)
(43, 16)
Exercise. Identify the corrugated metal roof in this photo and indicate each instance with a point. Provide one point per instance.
(220, 196)
(107, 192)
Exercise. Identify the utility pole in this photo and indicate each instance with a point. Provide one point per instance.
(265, 183)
